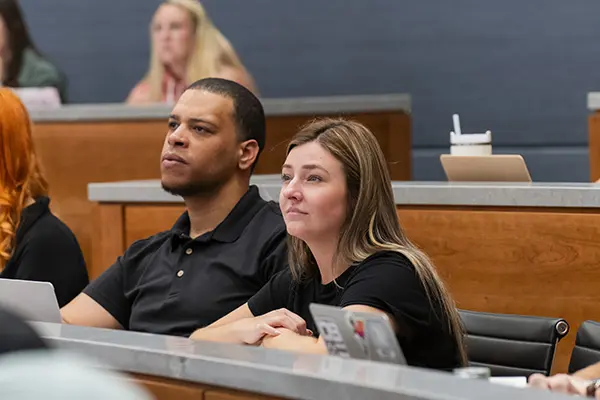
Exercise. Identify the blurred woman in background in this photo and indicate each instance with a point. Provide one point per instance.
(186, 47)
(21, 65)
(34, 244)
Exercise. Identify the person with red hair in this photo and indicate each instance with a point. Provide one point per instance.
(34, 243)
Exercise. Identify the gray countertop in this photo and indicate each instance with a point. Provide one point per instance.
(572, 195)
(273, 107)
(150, 191)
(271, 372)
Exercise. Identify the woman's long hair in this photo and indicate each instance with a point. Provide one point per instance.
(212, 51)
(372, 223)
(21, 178)
(18, 39)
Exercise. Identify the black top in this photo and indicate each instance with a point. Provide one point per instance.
(172, 284)
(387, 281)
(46, 250)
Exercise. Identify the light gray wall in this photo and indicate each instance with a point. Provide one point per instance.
(519, 68)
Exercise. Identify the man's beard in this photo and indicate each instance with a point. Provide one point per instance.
(192, 189)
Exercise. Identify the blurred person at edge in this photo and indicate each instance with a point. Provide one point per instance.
(34, 244)
(185, 47)
(21, 64)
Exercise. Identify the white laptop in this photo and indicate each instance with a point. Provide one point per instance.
(33, 301)
(351, 334)
(492, 168)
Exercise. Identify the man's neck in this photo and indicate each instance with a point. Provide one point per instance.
(206, 211)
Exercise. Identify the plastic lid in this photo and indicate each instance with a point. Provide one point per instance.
(471, 138)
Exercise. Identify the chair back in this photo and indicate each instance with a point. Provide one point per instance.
(587, 346)
(512, 345)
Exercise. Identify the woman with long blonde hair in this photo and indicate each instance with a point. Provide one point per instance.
(34, 244)
(346, 249)
(185, 47)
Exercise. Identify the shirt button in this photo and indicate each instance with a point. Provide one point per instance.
(188, 251)
(180, 273)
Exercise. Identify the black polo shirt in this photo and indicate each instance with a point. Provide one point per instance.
(172, 284)
(387, 281)
(46, 250)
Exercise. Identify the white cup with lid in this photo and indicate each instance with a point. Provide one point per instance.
(472, 144)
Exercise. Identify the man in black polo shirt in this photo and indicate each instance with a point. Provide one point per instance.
(222, 250)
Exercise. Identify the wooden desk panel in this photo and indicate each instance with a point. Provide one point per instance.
(391, 129)
(74, 154)
(532, 261)
(235, 395)
(143, 221)
(109, 237)
(117, 226)
(171, 389)
(594, 145)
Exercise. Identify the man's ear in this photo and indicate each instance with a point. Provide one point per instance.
(248, 152)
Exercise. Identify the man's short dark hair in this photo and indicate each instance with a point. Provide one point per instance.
(248, 112)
